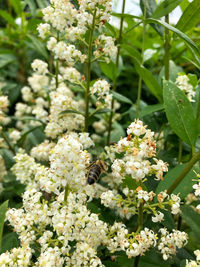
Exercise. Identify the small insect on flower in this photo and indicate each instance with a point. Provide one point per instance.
(95, 170)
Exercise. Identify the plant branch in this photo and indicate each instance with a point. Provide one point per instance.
(142, 61)
(117, 65)
(57, 65)
(167, 49)
(87, 94)
(8, 142)
(188, 167)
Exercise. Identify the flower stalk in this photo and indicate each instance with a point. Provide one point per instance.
(167, 49)
(117, 66)
(87, 94)
(142, 61)
(188, 167)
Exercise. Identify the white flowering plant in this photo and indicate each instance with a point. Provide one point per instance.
(99, 180)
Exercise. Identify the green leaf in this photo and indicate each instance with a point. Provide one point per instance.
(8, 157)
(32, 6)
(119, 15)
(175, 30)
(67, 111)
(102, 110)
(6, 59)
(193, 79)
(149, 80)
(151, 109)
(32, 129)
(150, 8)
(5, 15)
(185, 187)
(192, 218)
(111, 29)
(131, 51)
(179, 113)
(38, 46)
(148, 53)
(121, 98)
(110, 70)
(3, 209)
(42, 3)
(117, 132)
(165, 7)
(173, 71)
(190, 16)
(184, 4)
(9, 241)
(16, 4)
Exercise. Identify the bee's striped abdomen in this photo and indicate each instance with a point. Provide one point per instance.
(94, 174)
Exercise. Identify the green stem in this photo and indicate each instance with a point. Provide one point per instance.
(140, 217)
(117, 66)
(8, 142)
(87, 94)
(188, 167)
(136, 261)
(180, 150)
(67, 190)
(167, 49)
(57, 65)
(198, 107)
(142, 61)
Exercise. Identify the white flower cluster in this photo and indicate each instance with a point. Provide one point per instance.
(182, 81)
(55, 217)
(137, 149)
(106, 48)
(127, 206)
(70, 74)
(169, 242)
(61, 100)
(40, 66)
(14, 135)
(102, 89)
(4, 103)
(35, 98)
(42, 151)
(16, 257)
(25, 168)
(3, 170)
(73, 23)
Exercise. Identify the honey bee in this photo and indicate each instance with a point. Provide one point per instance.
(95, 170)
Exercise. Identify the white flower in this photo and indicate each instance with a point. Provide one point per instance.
(197, 189)
(158, 217)
(40, 66)
(136, 128)
(44, 30)
(182, 82)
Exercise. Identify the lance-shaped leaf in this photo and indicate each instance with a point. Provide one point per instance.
(151, 109)
(100, 111)
(179, 113)
(3, 209)
(149, 80)
(150, 8)
(190, 16)
(177, 31)
(67, 111)
(191, 217)
(165, 8)
(185, 186)
(121, 98)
